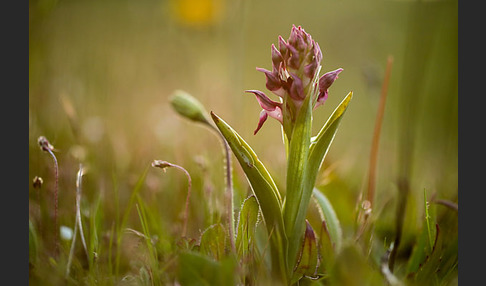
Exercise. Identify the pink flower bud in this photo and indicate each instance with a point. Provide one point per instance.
(324, 83)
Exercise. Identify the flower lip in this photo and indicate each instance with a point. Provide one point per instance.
(270, 108)
(263, 118)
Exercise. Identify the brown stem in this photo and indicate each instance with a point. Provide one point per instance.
(376, 134)
(56, 226)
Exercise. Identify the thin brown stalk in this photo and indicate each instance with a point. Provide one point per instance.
(376, 133)
(47, 147)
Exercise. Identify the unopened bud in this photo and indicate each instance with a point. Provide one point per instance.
(37, 182)
(188, 106)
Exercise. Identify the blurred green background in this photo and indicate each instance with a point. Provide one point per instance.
(101, 73)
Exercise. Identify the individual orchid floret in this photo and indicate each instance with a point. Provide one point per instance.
(324, 83)
(270, 108)
(294, 76)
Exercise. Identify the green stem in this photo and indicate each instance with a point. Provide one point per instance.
(296, 174)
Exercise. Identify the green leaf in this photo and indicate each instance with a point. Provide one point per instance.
(307, 262)
(427, 273)
(330, 218)
(424, 244)
(265, 190)
(33, 244)
(321, 143)
(247, 223)
(326, 249)
(317, 151)
(213, 241)
(261, 182)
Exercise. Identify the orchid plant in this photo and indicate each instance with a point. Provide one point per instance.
(294, 79)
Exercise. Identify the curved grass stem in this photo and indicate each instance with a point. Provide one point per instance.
(78, 223)
(47, 147)
(164, 164)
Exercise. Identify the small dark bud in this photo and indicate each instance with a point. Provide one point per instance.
(37, 182)
(44, 144)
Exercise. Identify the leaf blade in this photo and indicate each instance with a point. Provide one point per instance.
(265, 191)
(213, 241)
(247, 222)
(320, 145)
(261, 182)
(307, 263)
(330, 217)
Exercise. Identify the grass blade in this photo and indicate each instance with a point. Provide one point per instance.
(213, 241)
(33, 244)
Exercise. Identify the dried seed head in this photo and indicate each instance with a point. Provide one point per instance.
(37, 182)
(44, 144)
(161, 164)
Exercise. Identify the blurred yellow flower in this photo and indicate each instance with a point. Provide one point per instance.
(197, 12)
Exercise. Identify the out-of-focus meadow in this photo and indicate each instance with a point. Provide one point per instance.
(101, 74)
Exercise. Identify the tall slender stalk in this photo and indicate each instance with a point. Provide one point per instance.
(376, 134)
(47, 147)
(78, 223)
(229, 189)
(164, 164)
